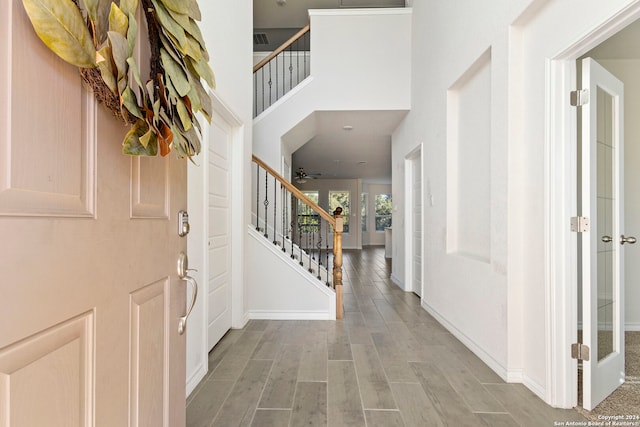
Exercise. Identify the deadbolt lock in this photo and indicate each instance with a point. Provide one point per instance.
(183, 223)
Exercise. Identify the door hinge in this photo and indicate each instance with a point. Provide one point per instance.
(579, 97)
(580, 352)
(579, 224)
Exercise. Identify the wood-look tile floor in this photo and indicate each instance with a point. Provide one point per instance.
(388, 363)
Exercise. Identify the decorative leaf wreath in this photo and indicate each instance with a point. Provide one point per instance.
(99, 37)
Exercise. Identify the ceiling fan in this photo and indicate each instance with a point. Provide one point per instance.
(302, 176)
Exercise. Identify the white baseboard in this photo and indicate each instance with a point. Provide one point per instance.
(514, 376)
(397, 281)
(469, 343)
(292, 315)
(196, 377)
(537, 388)
(244, 320)
(632, 326)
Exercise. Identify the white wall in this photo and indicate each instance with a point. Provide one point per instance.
(346, 73)
(628, 71)
(459, 69)
(280, 289)
(500, 303)
(231, 63)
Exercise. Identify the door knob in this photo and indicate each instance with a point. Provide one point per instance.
(606, 239)
(630, 240)
(183, 273)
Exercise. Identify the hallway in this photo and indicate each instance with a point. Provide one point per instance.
(388, 363)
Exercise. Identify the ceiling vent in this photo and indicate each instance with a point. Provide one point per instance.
(260, 39)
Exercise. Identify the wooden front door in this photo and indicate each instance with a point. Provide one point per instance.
(89, 295)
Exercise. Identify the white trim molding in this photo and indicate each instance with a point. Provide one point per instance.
(492, 363)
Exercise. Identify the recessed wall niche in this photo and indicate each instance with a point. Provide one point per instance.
(469, 162)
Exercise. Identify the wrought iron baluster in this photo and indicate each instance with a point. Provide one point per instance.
(255, 93)
(293, 218)
(275, 204)
(326, 231)
(298, 61)
(262, 84)
(257, 197)
(283, 196)
(270, 84)
(319, 247)
(305, 54)
(266, 203)
(301, 262)
(277, 92)
(290, 69)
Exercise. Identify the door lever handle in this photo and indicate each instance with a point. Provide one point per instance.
(183, 269)
(182, 323)
(630, 240)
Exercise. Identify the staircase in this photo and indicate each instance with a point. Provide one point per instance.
(302, 231)
(295, 247)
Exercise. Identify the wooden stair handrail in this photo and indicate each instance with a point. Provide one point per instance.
(285, 45)
(299, 194)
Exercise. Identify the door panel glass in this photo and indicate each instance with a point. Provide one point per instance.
(608, 237)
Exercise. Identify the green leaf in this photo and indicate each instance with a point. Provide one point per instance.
(129, 7)
(175, 73)
(102, 20)
(130, 101)
(194, 30)
(118, 21)
(203, 70)
(180, 143)
(205, 100)
(61, 27)
(169, 24)
(194, 99)
(180, 6)
(132, 33)
(132, 145)
(194, 10)
(133, 67)
(184, 115)
(91, 7)
(106, 68)
(120, 50)
(180, 18)
(193, 48)
(147, 138)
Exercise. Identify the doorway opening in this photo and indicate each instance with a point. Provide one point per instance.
(414, 226)
(615, 258)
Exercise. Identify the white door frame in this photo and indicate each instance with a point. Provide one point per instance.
(198, 189)
(416, 152)
(561, 287)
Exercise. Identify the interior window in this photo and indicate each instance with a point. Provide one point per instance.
(308, 219)
(364, 205)
(383, 211)
(342, 199)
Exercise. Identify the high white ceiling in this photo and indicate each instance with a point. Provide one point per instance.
(322, 145)
(362, 150)
(293, 13)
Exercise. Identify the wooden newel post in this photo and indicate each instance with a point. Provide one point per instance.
(337, 262)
